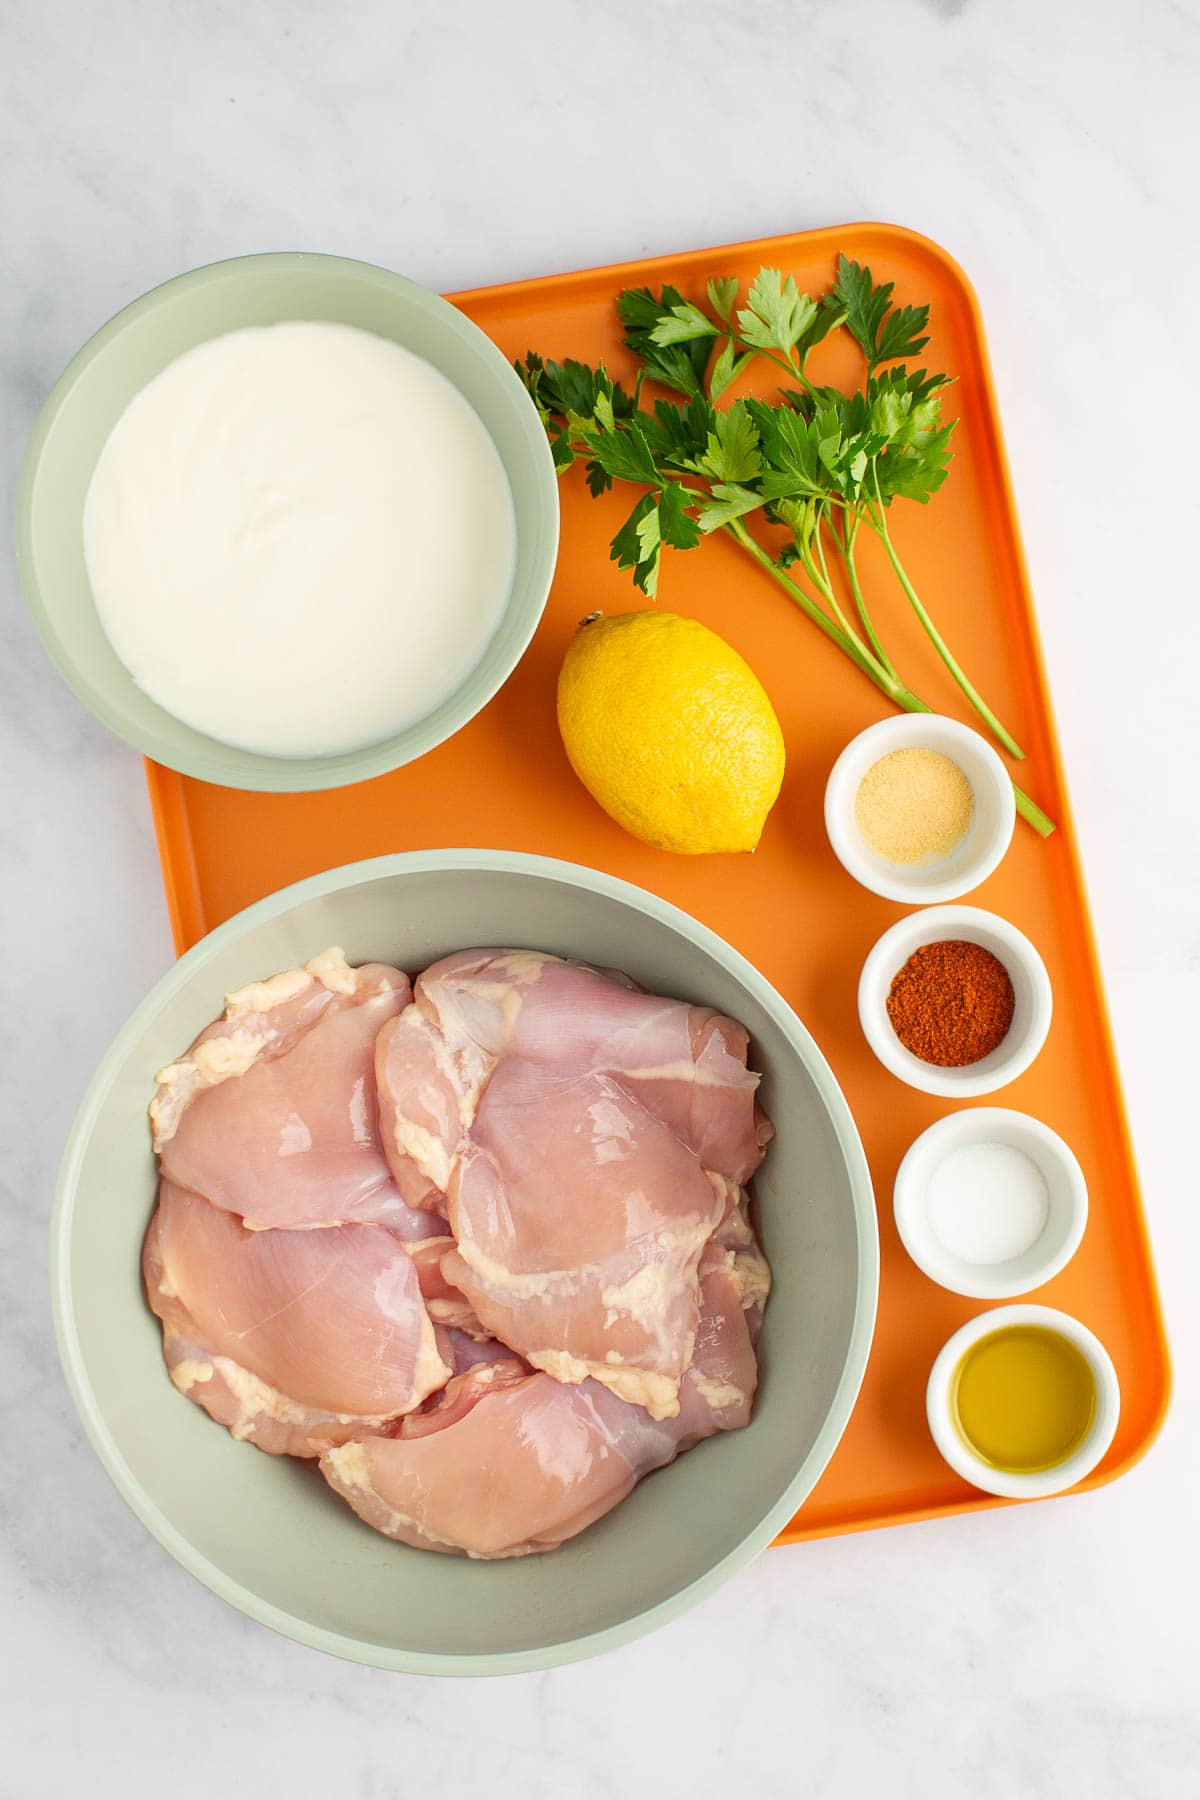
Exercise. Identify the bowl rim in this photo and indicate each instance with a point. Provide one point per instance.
(419, 862)
(209, 760)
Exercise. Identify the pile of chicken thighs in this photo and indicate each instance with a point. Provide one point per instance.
(481, 1247)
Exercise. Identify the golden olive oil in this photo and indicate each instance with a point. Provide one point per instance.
(1023, 1398)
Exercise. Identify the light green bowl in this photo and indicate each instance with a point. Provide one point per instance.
(127, 353)
(265, 1532)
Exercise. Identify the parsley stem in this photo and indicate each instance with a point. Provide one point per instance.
(781, 362)
(851, 645)
(828, 588)
(1032, 813)
(1028, 808)
(847, 553)
(878, 522)
(887, 682)
(820, 580)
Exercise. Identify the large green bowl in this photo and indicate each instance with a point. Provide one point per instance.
(266, 1533)
(127, 353)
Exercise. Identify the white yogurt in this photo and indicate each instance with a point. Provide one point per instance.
(300, 538)
(987, 1203)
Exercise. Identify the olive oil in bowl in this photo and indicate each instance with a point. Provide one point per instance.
(1023, 1398)
(1023, 1401)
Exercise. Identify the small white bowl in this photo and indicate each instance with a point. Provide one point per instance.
(1008, 1484)
(996, 1278)
(1033, 1003)
(972, 859)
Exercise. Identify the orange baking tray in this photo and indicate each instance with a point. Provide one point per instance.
(504, 782)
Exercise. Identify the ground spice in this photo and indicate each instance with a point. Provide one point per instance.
(914, 806)
(951, 1003)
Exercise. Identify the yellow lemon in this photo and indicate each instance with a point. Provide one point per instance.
(670, 731)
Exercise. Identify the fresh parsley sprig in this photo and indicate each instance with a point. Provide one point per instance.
(821, 463)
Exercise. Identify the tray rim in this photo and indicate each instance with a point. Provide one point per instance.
(167, 794)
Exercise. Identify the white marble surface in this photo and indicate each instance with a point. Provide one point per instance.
(1041, 1652)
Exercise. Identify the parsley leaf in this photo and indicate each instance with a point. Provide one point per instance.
(683, 323)
(777, 315)
(801, 518)
(729, 501)
(623, 455)
(598, 479)
(676, 526)
(676, 434)
(722, 292)
(572, 388)
(675, 365)
(789, 448)
(865, 304)
(727, 368)
(657, 519)
(910, 400)
(882, 332)
(731, 452)
(628, 546)
(649, 536)
(829, 315)
(902, 333)
(911, 472)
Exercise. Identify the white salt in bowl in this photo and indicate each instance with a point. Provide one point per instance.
(1032, 1010)
(990, 1203)
(975, 855)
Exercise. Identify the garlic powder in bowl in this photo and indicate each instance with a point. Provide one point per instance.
(919, 808)
(914, 806)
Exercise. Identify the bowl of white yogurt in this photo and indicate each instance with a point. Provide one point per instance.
(287, 522)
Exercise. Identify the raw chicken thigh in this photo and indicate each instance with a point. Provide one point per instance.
(584, 1135)
(507, 1463)
(272, 1112)
(483, 1248)
(512, 1463)
(687, 1064)
(580, 1219)
(296, 1340)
